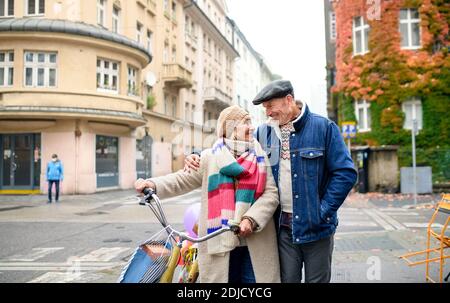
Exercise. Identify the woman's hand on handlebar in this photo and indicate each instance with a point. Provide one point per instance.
(191, 162)
(140, 184)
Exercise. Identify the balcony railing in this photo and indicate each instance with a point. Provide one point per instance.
(177, 75)
(216, 96)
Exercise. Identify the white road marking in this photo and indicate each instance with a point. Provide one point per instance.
(350, 233)
(65, 277)
(350, 209)
(357, 223)
(36, 253)
(400, 214)
(103, 254)
(392, 209)
(378, 219)
(422, 225)
(390, 220)
(52, 266)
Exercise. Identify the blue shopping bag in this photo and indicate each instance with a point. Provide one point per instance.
(147, 264)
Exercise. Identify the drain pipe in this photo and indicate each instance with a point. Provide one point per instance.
(77, 146)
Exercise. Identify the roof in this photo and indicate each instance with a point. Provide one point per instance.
(68, 27)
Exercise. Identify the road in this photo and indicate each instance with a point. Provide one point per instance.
(90, 238)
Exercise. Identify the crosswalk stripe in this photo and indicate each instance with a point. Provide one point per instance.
(390, 220)
(35, 254)
(65, 277)
(103, 254)
(392, 209)
(357, 223)
(400, 214)
(422, 225)
(25, 266)
(378, 219)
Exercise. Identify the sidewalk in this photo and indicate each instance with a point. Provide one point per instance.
(118, 206)
(36, 200)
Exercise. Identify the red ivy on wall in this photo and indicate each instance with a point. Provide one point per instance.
(389, 73)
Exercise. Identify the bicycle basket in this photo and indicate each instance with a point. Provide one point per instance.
(149, 260)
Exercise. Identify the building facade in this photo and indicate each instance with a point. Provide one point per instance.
(66, 90)
(118, 89)
(252, 73)
(330, 44)
(393, 75)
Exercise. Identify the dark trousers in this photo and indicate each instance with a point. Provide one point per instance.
(241, 269)
(50, 186)
(315, 256)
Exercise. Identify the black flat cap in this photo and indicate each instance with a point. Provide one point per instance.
(275, 89)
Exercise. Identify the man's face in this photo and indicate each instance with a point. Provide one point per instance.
(278, 109)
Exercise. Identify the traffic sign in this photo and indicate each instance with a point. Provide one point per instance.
(349, 129)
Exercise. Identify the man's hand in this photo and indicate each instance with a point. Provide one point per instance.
(191, 162)
(140, 184)
(246, 228)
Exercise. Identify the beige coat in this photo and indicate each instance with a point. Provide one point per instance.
(262, 244)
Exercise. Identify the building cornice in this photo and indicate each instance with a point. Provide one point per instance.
(69, 27)
(193, 8)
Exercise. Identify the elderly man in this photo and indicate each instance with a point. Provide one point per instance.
(314, 173)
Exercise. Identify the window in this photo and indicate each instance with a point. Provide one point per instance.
(107, 76)
(6, 8)
(115, 19)
(332, 26)
(149, 41)
(35, 7)
(132, 81)
(187, 113)
(166, 53)
(413, 111)
(166, 6)
(174, 53)
(174, 106)
(166, 104)
(40, 69)
(107, 161)
(139, 33)
(362, 112)
(187, 24)
(174, 11)
(193, 113)
(360, 36)
(101, 12)
(410, 28)
(6, 68)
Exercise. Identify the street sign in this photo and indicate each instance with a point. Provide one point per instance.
(349, 129)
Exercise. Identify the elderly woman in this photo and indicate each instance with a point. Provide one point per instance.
(237, 184)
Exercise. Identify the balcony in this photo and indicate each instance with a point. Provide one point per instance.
(216, 97)
(176, 75)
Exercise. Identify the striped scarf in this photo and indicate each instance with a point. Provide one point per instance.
(233, 186)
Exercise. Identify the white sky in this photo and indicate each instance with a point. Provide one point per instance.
(290, 35)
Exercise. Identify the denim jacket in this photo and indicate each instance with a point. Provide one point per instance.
(322, 174)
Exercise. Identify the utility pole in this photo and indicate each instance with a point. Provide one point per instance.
(413, 134)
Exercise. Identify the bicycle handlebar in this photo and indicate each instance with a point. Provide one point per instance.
(150, 194)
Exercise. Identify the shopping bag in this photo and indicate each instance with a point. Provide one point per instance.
(148, 263)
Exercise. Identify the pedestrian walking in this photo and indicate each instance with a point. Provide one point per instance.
(54, 175)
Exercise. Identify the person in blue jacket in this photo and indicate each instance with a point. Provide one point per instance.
(54, 174)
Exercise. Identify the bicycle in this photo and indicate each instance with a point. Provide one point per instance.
(156, 259)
